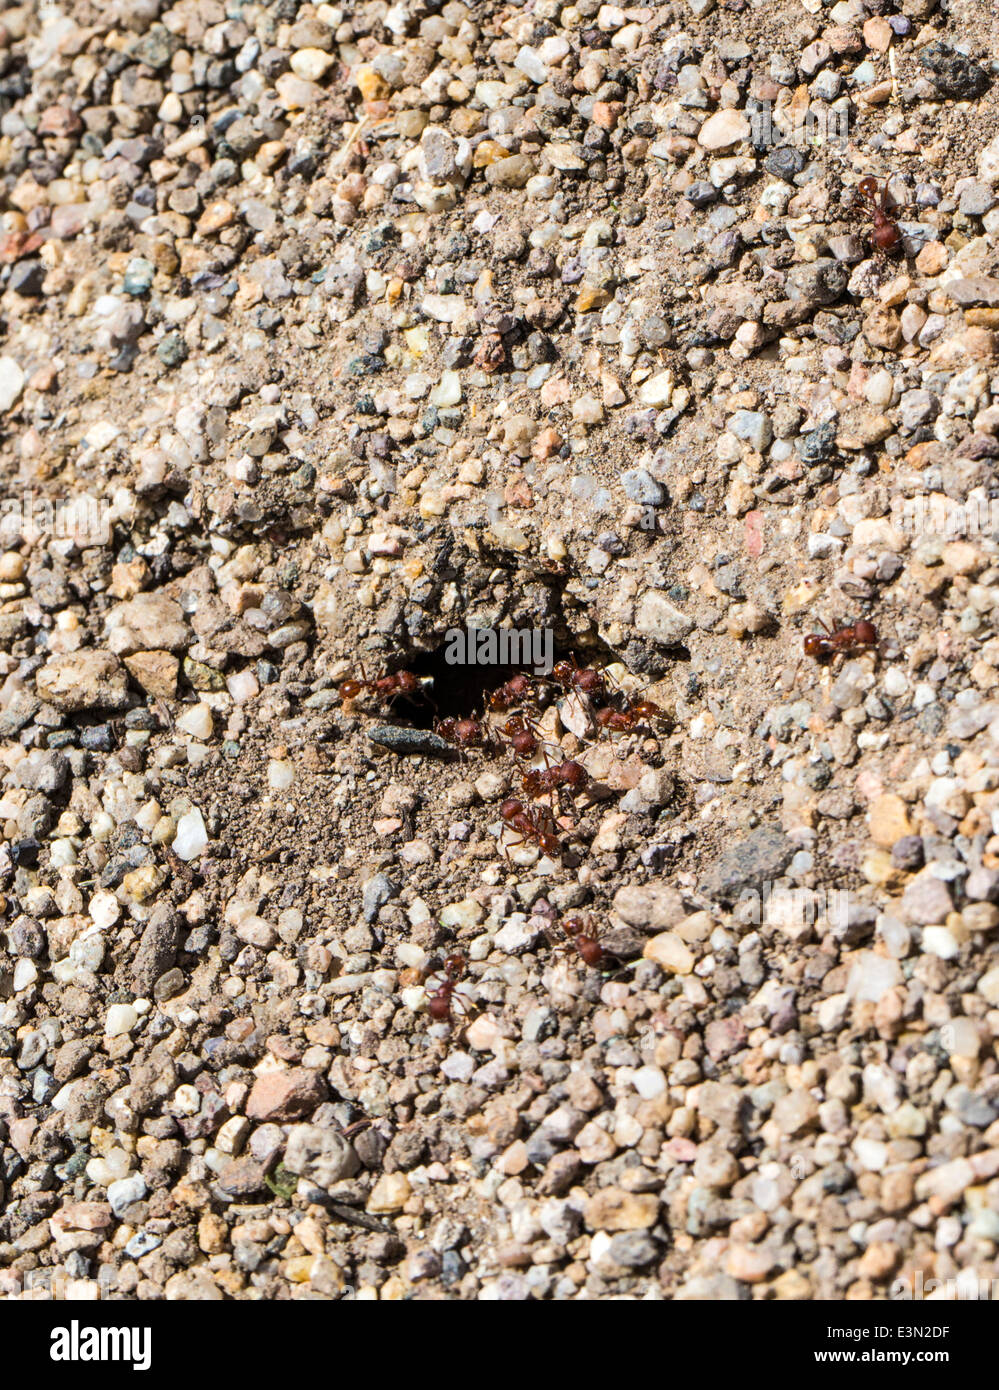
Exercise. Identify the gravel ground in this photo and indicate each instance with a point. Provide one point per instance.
(357, 324)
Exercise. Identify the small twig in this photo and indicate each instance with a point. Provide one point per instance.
(350, 1215)
(348, 1131)
(352, 139)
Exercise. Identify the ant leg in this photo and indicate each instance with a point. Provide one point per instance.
(465, 1010)
(560, 950)
(548, 766)
(463, 1006)
(615, 729)
(507, 845)
(616, 687)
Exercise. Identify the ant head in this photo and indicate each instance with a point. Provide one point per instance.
(815, 644)
(349, 690)
(511, 807)
(573, 774)
(454, 966)
(868, 187)
(548, 843)
(573, 926)
(645, 709)
(562, 671)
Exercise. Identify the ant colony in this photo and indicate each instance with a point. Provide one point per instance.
(509, 724)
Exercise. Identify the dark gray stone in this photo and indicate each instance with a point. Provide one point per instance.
(747, 865)
(401, 740)
(157, 949)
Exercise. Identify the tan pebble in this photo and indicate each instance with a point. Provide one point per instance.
(878, 34)
(963, 558)
(877, 868)
(590, 298)
(155, 672)
(390, 1193)
(879, 1261)
(371, 86)
(612, 1209)
(212, 1234)
(724, 128)
(669, 952)
(514, 1159)
(883, 328)
(749, 1264)
(216, 215)
(932, 258)
(595, 1145)
(980, 916)
(889, 820)
(896, 1191)
(792, 1287)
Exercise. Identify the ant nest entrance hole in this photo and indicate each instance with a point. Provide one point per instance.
(458, 690)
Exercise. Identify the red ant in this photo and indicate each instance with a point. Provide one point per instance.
(512, 692)
(464, 733)
(441, 1000)
(522, 737)
(624, 720)
(571, 775)
(530, 825)
(845, 641)
(586, 680)
(581, 937)
(385, 687)
(886, 235)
